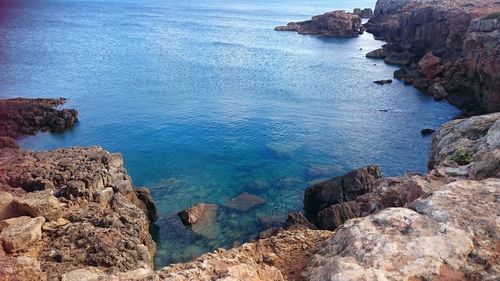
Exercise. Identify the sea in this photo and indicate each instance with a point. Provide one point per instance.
(205, 100)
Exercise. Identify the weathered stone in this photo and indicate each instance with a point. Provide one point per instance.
(84, 274)
(39, 203)
(244, 202)
(104, 196)
(19, 233)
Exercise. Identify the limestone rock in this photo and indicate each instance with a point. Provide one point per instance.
(84, 274)
(18, 233)
(336, 23)
(39, 203)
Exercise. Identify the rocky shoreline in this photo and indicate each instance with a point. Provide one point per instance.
(74, 214)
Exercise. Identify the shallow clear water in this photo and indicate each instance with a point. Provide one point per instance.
(204, 98)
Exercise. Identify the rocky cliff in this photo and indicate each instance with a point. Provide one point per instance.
(449, 49)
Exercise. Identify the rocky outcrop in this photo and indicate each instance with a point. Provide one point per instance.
(336, 23)
(27, 116)
(453, 43)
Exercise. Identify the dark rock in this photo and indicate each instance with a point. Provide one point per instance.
(427, 132)
(334, 216)
(340, 189)
(297, 220)
(336, 23)
(244, 202)
(365, 13)
(376, 54)
(437, 91)
(148, 204)
(383, 82)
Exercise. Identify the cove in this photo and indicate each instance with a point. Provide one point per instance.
(205, 101)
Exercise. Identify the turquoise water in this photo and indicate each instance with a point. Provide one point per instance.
(204, 98)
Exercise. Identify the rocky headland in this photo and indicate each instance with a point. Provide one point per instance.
(448, 49)
(337, 23)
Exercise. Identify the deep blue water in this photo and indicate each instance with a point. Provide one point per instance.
(203, 98)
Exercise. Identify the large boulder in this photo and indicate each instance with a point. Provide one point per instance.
(429, 65)
(39, 203)
(336, 23)
(334, 216)
(18, 233)
(340, 189)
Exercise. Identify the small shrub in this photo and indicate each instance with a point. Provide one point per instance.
(463, 157)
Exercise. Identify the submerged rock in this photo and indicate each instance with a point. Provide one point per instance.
(336, 23)
(244, 202)
(197, 213)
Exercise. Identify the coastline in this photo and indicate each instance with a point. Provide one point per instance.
(314, 251)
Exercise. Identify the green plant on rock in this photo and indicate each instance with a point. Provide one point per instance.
(463, 157)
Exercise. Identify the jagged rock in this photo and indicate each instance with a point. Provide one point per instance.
(39, 203)
(365, 13)
(104, 196)
(18, 233)
(6, 205)
(196, 213)
(340, 189)
(383, 82)
(244, 202)
(334, 216)
(147, 203)
(336, 23)
(437, 91)
(297, 220)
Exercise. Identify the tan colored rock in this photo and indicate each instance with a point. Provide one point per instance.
(104, 196)
(39, 203)
(192, 215)
(18, 233)
(84, 274)
(6, 205)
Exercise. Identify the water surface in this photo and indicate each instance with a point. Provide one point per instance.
(205, 100)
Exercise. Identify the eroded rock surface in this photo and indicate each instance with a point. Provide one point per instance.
(336, 23)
